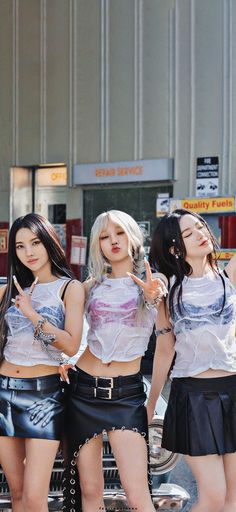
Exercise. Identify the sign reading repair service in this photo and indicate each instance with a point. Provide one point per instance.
(120, 172)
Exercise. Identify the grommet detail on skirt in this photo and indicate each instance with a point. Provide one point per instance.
(135, 429)
(95, 436)
(87, 440)
(75, 454)
(123, 428)
(72, 501)
(72, 481)
(72, 472)
(143, 434)
(104, 432)
(80, 446)
(72, 510)
(113, 428)
(72, 491)
(73, 463)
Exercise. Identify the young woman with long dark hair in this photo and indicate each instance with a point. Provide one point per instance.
(106, 391)
(196, 325)
(36, 328)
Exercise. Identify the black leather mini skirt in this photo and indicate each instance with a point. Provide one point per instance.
(31, 407)
(201, 416)
(97, 405)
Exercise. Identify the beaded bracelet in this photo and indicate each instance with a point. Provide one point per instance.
(39, 335)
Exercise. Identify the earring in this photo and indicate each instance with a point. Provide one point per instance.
(173, 240)
(177, 257)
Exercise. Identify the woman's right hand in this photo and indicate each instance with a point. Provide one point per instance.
(63, 370)
(150, 412)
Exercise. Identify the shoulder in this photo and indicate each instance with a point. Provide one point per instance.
(230, 270)
(74, 290)
(2, 291)
(88, 285)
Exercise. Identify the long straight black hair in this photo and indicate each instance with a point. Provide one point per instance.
(46, 233)
(167, 243)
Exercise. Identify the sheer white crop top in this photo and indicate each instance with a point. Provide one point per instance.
(205, 335)
(119, 330)
(21, 348)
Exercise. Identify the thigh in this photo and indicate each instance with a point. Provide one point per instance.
(229, 461)
(12, 455)
(130, 451)
(40, 456)
(89, 461)
(209, 473)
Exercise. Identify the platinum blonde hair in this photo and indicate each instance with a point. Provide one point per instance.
(97, 264)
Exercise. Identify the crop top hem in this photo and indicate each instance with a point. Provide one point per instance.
(42, 363)
(196, 372)
(117, 360)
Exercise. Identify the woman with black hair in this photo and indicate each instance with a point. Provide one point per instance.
(36, 328)
(197, 327)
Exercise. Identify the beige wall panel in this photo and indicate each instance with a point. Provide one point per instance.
(57, 81)
(6, 86)
(156, 55)
(208, 77)
(87, 82)
(183, 95)
(121, 80)
(29, 83)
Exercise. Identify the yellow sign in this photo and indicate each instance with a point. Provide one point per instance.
(225, 255)
(205, 204)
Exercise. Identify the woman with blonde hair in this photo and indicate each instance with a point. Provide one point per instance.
(106, 391)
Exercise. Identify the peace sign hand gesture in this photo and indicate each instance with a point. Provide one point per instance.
(154, 288)
(23, 300)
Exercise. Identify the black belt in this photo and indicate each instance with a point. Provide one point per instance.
(35, 384)
(105, 382)
(106, 393)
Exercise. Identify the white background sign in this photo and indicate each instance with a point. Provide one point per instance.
(78, 250)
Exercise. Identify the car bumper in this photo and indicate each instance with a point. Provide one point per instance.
(167, 496)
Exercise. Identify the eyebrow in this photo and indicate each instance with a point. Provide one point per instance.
(31, 240)
(186, 229)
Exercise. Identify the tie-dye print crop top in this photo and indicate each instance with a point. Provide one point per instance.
(21, 348)
(119, 330)
(205, 335)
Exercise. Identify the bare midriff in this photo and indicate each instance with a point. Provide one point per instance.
(15, 370)
(213, 374)
(94, 366)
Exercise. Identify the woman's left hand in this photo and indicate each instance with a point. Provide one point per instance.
(153, 288)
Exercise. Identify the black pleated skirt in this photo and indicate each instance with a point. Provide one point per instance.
(31, 407)
(201, 416)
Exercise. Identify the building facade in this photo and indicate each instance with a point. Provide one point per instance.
(116, 84)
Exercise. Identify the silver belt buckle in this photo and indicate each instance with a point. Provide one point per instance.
(104, 389)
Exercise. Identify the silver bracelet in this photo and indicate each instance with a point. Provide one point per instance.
(154, 303)
(39, 335)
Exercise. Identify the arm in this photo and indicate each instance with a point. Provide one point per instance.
(231, 270)
(163, 358)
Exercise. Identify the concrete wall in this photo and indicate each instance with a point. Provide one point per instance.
(107, 80)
